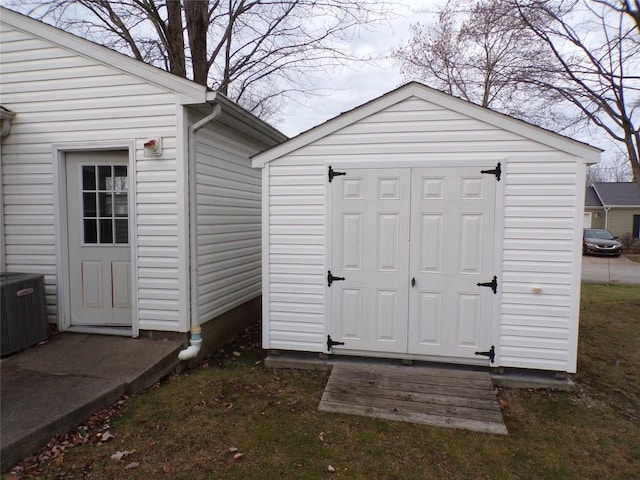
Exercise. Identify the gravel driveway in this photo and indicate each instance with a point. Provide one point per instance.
(610, 270)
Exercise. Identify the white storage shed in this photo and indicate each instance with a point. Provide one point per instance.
(420, 226)
(129, 188)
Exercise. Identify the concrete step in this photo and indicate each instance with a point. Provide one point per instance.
(52, 388)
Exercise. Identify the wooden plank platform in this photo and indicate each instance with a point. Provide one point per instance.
(432, 396)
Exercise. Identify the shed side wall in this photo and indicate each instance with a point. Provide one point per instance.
(63, 98)
(540, 215)
(229, 221)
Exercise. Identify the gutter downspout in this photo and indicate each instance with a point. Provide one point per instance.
(195, 341)
(606, 217)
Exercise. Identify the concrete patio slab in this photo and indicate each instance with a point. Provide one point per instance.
(55, 386)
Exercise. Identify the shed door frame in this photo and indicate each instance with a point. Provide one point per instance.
(457, 161)
(62, 237)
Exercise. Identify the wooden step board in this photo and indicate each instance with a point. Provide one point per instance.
(439, 397)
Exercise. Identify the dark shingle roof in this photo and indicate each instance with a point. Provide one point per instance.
(591, 198)
(618, 193)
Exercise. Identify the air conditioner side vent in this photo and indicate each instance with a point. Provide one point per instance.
(23, 311)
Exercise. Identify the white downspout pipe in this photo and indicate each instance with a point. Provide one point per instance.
(195, 341)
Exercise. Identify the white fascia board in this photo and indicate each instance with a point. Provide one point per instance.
(341, 121)
(190, 92)
(587, 153)
(255, 125)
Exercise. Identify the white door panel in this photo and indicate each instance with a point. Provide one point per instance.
(98, 233)
(430, 225)
(452, 217)
(370, 250)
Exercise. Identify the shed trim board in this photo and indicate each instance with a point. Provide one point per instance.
(536, 241)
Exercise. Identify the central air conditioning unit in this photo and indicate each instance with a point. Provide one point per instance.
(23, 311)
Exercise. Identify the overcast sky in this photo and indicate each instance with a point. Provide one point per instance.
(347, 88)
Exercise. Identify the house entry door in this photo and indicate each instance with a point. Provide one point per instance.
(98, 233)
(412, 244)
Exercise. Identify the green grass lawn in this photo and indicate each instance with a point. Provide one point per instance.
(234, 419)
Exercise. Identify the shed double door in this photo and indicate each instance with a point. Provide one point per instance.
(412, 244)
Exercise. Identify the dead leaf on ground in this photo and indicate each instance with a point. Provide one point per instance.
(321, 436)
(233, 449)
(331, 469)
(238, 456)
(132, 466)
(120, 455)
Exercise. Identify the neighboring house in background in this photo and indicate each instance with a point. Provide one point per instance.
(420, 226)
(129, 188)
(614, 206)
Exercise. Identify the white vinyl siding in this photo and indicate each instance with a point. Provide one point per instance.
(61, 98)
(539, 218)
(229, 221)
(538, 250)
(296, 236)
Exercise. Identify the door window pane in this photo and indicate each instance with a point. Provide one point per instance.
(105, 181)
(105, 204)
(122, 231)
(90, 231)
(120, 183)
(89, 204)
(88, 177)
(106, 230)
(120, 204)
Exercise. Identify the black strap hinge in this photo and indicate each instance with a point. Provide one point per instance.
(331, 343)
(493, 284)
(333, 173)
(331, 278)
(491, 353)
(495, 171)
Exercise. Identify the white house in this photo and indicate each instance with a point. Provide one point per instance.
(129, 188)
(420, 226)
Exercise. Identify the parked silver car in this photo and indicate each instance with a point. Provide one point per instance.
(600, 242)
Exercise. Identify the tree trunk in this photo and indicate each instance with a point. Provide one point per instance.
(197, 18)
(175, 40)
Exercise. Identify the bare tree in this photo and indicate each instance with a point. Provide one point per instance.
(616, 169)
(255, 51)
(596, 45)
(484, 54)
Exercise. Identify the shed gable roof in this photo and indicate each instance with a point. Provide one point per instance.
(190, 92)
(414, 89)
(618, 194)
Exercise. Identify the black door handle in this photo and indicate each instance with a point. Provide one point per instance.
(413, 282)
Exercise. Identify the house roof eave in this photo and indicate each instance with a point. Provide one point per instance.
(188, 91)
